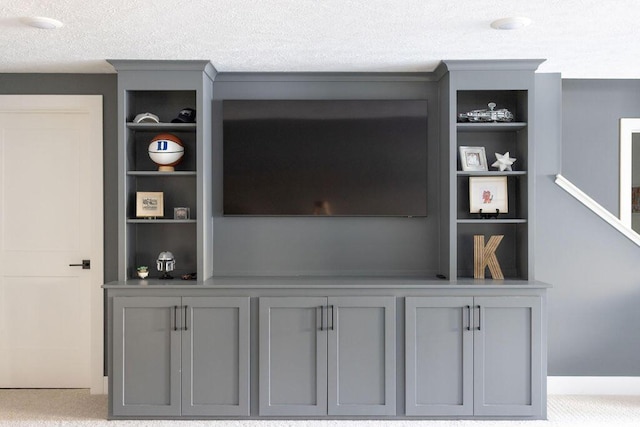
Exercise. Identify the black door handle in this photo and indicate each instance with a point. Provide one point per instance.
(332, 317)
(175, 317)
(86, 264)
(186, 309)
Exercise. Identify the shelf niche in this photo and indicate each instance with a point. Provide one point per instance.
(472, 85)
(164, 88)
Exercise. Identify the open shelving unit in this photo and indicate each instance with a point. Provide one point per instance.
(470, 89)
(164, 88)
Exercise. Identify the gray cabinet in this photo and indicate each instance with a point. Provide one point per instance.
(293, 356)
(146, 357)
(323, 356)
(507, 348)
(327, 345)
(215, 356)
(439, 356)
(474, 356)
(177, 356)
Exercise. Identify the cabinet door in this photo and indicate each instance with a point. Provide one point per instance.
(146, 356)
(507, 352)
(362, 363)
(215, 356)
(439, 356)
(293, 356)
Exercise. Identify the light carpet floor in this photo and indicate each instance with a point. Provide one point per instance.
(79, 408)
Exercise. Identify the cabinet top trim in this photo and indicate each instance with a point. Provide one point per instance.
(258, 282)
(163, 65)
(492, 64)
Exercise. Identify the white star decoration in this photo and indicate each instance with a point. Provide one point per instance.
(503, 161)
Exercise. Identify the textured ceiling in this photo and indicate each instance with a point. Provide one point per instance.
(579, 38)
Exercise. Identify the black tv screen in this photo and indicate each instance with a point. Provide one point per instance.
(325, 157)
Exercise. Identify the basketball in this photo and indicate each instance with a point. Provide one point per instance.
(166, 150)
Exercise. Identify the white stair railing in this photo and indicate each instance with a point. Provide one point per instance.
(597, 208)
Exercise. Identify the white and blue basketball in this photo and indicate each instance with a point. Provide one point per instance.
(166, 150)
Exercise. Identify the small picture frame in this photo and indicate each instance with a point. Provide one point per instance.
(488, 194)
(473, 159)
(149, 204)
(181, 213)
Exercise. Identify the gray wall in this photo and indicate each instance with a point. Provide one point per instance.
(85, 84)
(593, 306)
(591, 113)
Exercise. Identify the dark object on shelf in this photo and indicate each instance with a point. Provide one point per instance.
(484, 115)
(441, 276)
(186, 115)
(489, 215)
(190, 276)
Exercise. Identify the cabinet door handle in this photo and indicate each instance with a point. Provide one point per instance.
(175, 317)
(186, 309)
(468, 317)
(332, 317)
(322, 318)
(479, 317)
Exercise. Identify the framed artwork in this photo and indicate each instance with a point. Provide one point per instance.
(488, 193)
(473, 159)
(149, 204)
(181, 213)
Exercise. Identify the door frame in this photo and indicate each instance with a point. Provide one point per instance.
(628, 126)
(91, 106)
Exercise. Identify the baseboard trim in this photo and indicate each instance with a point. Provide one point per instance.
(103, 389)
(622, 386)
(629, 386)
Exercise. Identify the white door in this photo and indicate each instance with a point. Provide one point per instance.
(50, 218)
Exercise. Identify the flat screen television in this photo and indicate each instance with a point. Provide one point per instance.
(325, 157)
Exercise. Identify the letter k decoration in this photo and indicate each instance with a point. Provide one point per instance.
(486, 256)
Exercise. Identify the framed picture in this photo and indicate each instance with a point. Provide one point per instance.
(181, 213)
(488, 193)
(149, 204)
(473, 159)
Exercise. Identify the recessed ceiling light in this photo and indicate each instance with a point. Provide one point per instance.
(42, 22)
(511, 23)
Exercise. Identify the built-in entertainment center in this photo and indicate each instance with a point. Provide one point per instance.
(329, 247)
